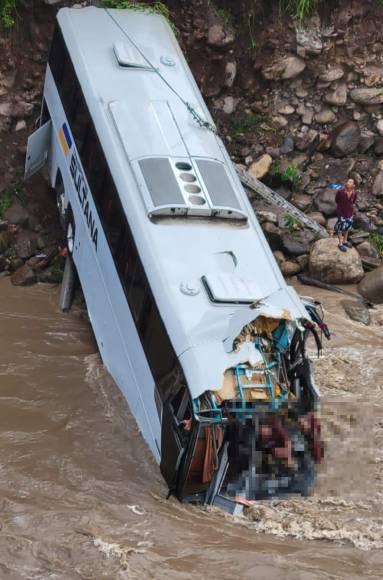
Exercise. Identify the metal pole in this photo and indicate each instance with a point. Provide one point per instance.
(67, 285)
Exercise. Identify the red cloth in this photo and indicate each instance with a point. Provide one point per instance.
(344, 203)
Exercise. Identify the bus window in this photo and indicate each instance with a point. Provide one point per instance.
(80, 122)
(68, 91)
(57, 56)
(94, 164)
(157, 346)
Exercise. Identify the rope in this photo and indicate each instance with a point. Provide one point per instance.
(196, 116)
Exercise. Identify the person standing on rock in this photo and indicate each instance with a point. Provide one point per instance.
(345, 200)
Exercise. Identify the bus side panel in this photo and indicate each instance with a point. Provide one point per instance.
(112, 322)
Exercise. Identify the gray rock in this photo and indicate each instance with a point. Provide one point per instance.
(367, 96)
(367, 249)
(5, 109)
(309, 40)
(332, 74)
(345, 138)
(287, 67)
(379, 127)
(17, 215)
(267, 216)
(371, 287)
(219, 36)
(325, 202)
(357, 311)
(24, 276)
(325, 116)
(228, 105)
(367, 139)
(377, 187)
(328, 264)
(273, 235)
(25, 243)
(318, 217)
(231, 73)
(378, 146)
(301, 200)
(287, 145)
(338, 96)
(279, 256)
(296, 245)
(289, 268)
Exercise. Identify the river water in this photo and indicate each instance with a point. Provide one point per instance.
(81, 496)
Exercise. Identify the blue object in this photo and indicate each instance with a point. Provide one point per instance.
(335, 186)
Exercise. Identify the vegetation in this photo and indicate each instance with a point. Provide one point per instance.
(156, 8)
(8, 13)
(248, 123)
(300, 9)
(377, 239)
(290, 222)
(291, 173)
(6, 199)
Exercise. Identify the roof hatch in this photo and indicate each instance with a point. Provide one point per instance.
(128, 56)
(231, 289)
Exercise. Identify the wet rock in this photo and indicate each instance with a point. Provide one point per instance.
(357, 311)
(325, 116)
(24, 276)
(328, 264)
(367, 96)
(345, 138)
(17, 215)
(371, 287)
(318, 217)
(231, 73)
(285, 68)
(289, 268)
(338, 96)
(332, 74)
(296, 245)
(261, 167)
(4, 241)
(325, 202)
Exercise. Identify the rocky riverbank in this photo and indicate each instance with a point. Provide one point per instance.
(298, 105)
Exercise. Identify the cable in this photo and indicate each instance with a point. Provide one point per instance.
(196, 116)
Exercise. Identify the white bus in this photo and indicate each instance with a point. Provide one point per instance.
(192, 316)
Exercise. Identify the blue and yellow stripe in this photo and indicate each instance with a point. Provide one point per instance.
(65, 138)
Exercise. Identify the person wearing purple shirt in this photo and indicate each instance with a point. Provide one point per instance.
(345, 199)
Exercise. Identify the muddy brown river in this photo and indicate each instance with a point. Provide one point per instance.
(81, 496)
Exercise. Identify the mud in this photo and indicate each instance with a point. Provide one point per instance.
(81, 496)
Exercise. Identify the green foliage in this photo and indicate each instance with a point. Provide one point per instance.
(7, 13)
(291, 173)
(290, 222)
(250, 26)
(248, 123)
(155, 8)
(6, 199)
(377, 239)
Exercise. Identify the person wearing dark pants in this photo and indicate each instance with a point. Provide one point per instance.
(345, 201)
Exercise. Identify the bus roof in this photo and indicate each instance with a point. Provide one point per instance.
(167, 160)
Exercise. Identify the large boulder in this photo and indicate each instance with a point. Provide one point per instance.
(329, 264)
(367, 96)
(357, 311)
(345, 138)
(371, 287)
(285, 68)
(325, 202)
(261, 167)
(24, 276)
